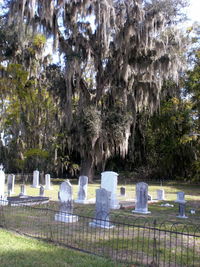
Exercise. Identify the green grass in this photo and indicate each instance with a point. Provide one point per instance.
(20, 251)
(192, 195)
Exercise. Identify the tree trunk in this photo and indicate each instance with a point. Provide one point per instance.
(87, 167)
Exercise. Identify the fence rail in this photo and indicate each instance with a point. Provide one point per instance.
(137, 242)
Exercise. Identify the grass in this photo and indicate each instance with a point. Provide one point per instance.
(20, 251)
(192, 196)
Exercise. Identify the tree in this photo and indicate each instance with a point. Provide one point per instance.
(117, 56)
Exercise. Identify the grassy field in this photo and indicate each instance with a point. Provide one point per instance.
(20, 251)
(192, 196)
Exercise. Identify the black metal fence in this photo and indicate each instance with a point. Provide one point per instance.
(130, 240)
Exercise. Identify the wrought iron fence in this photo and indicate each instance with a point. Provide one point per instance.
(132, 241)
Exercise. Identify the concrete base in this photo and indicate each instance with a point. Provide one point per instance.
(182, 217)
(67, 218)
(141, 212)
(101, 224)
(79, 201)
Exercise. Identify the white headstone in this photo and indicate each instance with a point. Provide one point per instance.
(36, 175)
(66, 204)
(22, 190)
(141, 205)
(11, 183)
(160, 194)
(47, 182)
(2, 181)
(82, 189)
(109, 182)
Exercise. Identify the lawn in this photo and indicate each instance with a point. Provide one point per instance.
(20, 251)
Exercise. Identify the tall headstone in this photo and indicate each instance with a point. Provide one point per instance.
(11, 183)
(47, 182)
(82, 190)
(141, 205)
(22, 190)
(160, 194)
(41, 191)
(36, 175)
(182, 203)
(2, 182)
(109, 182)
(66, 204)
(103, 200)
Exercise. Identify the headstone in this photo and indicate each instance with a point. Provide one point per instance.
(36, 175)
(180, 197)
(22, 190)
(41, 191)
(82, 189)
(109, 182)
(122, 191)
(47, 182)
(141, 205)
(11, 183)
(160, 194)
(149, 197)
(2, 182)
(103, 200)
(182, 202)
(66, 204)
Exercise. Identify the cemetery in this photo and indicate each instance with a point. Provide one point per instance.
(139, 230)
(99, 133)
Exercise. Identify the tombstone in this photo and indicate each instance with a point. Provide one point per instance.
(41, 193)
(103, 200)
(47, 182)
(11, 183)
(36, 175)
(141, 205)
(109, 182)
(160, 194)
(22, 190)
(149, 197)
(182, 203)
(66, 204)
(180, 197)
(82, 190)
(122, 191)
(2, 182)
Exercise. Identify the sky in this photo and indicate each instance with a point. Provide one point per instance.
(193, 11)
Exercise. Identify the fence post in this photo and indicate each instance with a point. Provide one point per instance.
(155, 256)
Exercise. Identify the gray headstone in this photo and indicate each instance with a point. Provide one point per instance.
(182, 211)
(123, 191)
(180, 197)
(103, 200)
(41, 191)
(22, 190)
(141, 198)
(11, 183)
(82, 189)
(2, 181)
